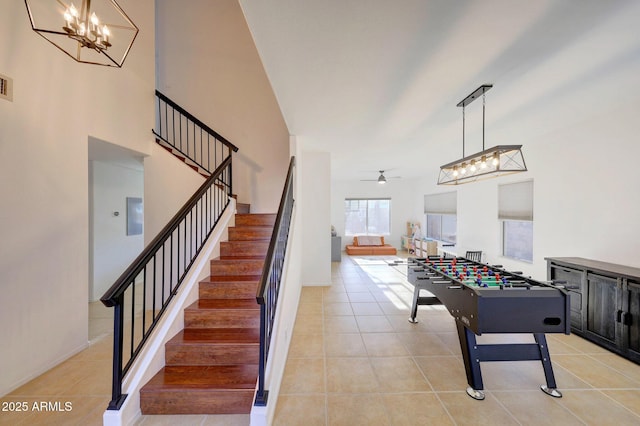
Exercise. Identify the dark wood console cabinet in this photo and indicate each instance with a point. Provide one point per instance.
(605, 302)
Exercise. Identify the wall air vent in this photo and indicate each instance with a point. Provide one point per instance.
(6, 88)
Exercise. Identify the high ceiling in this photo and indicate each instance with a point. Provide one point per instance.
(376, 82)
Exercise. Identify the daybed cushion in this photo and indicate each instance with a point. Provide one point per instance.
(368, 240)
(367, 245)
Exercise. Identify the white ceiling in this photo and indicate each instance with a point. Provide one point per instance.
(376, 82)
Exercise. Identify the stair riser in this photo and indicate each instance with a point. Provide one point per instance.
(223, 290)
(207, 354)
(250, 234)
(196, 402)
(255, 219)
(242, 207)
(236, 267)
(222, 318)
(244, 248)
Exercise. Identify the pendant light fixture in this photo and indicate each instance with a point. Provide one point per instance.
(94, 32)
(492, 162)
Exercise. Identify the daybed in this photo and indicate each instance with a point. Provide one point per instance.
(365, 245)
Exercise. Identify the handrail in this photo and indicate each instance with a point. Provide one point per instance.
(196, 120)
(163, 264)
(187, 136)
(117, 289)
(269, 286)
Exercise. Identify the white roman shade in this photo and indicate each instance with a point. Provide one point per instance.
(515, 201)
(442, 203)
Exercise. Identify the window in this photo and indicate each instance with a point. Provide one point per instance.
(441, 216)
(367, 216)
(517, 238)
(515, 210)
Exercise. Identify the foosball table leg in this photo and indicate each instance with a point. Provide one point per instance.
(545, 358)
(420, 300)
(414, 306)
(471, 358)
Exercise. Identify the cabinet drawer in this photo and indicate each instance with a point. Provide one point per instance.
(573, 277)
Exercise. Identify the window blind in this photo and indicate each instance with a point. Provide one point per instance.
(515, 201)
(442, 203)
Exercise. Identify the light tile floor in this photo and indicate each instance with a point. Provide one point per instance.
(356, 360)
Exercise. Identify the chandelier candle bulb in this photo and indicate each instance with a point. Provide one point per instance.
(105, 35)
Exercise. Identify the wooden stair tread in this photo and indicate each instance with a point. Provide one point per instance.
(250, 233)
(236, 304)
(232, 278)
(241, 257)
(267, 219)
(237, 261)
(201, 377)
(197, 336)
(242, 243)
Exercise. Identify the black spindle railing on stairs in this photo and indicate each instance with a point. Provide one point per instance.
(269, 287)
(143, 292)
(188, 136)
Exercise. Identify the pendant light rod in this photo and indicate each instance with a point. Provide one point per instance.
(466, 101)
(483, 120)
(463, 131)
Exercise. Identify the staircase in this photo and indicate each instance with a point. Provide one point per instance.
(211, 367)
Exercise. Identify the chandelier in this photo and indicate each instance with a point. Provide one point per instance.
(96, 32)
(492, 162)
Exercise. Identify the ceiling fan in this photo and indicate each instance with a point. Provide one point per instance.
(382, 179)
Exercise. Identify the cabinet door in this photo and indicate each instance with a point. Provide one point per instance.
(632, 328)
(573, 277)
(604, 299)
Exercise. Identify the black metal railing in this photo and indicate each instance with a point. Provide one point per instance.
(269, 287)
(143, 292)
(189, 136)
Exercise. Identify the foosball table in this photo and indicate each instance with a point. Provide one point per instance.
(488, 299)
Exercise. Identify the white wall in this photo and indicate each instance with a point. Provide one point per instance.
(57, 105)
(112, 249)
(315, 206)
(214, 72)
(403, 209)
(168, 184)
